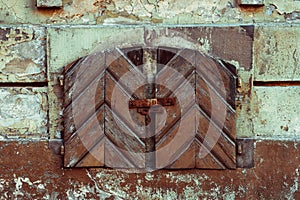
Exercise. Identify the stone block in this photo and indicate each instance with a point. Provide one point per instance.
(79, 42)
(22, 54)
(276, 112)
(196, 38)
(276, 53)
(234, 44)
(49, 3)
(23, 113)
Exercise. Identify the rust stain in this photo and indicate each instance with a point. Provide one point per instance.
(285, 128)
(251, 9)
(48, 12)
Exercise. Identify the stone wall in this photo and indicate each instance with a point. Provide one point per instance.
(37, 42)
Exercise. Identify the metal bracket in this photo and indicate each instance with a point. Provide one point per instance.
(245, 153)
(143, 106)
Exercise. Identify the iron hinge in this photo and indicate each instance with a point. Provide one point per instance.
(245, 153)
(61, 80)
(57, 146)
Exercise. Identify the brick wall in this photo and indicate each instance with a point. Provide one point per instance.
(37, 42)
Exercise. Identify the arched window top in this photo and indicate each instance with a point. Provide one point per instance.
(150, 108)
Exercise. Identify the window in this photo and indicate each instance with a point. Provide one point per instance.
(150, 108)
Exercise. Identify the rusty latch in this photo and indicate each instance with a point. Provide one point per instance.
(147, 103)
(143, 105)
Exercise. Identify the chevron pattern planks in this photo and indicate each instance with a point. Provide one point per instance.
(197, 132)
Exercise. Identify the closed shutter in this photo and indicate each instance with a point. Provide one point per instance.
(150, 108)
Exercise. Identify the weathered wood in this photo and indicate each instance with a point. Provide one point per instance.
(215, 140)
(182, 63)
(208, 100)
(135, 55)
(217, 75)
(95, 157)
(83, 140)
(129, 145)
(186, 160)
(165, 55)
(209, 161)
(84, 106)
(174, 113)
(132, 119)
(201, 119)
(115, 159)
(83, 72)
(124, 135)
(176, 141)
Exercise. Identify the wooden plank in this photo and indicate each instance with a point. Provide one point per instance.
(209, 101)
(183, 64)
(83, 73)
(220, 145)
(132, 119)
(176, 141)
(124, 139)
(84, 106)
(174, 113)
(128, 149)
(114, 158)
(217, 75)
(77, 146)
(118, 64)
(207, 162)
(135, 55)
(95, 157)
(186, 159)
(165, 54)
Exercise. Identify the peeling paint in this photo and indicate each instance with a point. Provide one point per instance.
(22, 54)
(23, 112)
(283, 101)
(295, 187)
(135, 11)
(276, 58)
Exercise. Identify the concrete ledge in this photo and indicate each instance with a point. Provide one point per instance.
(39, 174)
(48, 3)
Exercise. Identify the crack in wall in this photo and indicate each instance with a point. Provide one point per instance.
(101, 193)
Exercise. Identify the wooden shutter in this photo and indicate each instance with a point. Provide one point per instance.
(204, 90)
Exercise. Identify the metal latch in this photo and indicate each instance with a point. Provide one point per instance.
(143, 106)
(147, 103)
